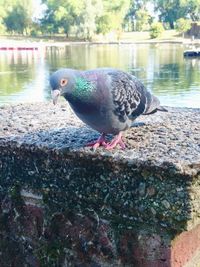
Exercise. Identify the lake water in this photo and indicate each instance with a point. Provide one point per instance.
(162, 68)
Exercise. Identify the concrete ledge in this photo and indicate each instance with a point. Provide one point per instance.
(65, 205)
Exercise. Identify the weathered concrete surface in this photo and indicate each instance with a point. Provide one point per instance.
(66, 205)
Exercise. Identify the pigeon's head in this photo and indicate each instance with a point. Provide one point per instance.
(62, 82)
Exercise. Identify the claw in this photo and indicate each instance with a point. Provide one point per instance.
(101, 141)
(116, 141)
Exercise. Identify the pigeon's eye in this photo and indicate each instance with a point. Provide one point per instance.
(63, 82)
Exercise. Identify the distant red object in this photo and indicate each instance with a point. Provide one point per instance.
(19, 48)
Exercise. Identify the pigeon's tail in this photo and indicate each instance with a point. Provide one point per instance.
(160, 108)
(153, 106)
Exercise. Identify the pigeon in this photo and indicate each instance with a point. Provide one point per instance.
(106, 99)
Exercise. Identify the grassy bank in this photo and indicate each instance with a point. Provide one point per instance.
(124, 37)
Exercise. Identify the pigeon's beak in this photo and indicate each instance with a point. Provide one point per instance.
(55, 94)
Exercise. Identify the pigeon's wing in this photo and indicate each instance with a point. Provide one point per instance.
(130, 98)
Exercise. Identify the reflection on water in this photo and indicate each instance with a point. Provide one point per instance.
(24, 76)
(175, 80)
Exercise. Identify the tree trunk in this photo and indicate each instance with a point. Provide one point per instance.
(171, 24)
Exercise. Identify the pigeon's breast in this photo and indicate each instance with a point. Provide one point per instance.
(100, 119)
(97, 109)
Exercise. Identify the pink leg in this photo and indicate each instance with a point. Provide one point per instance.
(100, 142)
(116, 141)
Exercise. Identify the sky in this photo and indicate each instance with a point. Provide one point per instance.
(39, 9)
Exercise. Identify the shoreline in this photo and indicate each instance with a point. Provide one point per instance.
(28, 41)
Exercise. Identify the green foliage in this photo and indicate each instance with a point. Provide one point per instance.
(81, 15)
(16, 15)
(91, 11)
(103, 24)
(156, 30)
(192, 8)
(2, 26)
(182, 25)
(170, 10)
(16, 20)
(133, 13)
(143, 19)
(116, 11)
(85, 18)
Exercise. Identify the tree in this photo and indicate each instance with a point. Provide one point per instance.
(156, 30)
(103, 24)
(17, 20)
(17, 15)
(169, 11)
(113, 16)
(192, 8)
(86, 17)
(132, 13)
(182, 25)
(92, 10)
(62, 15)
(48, 23)
(64, 19)
(2, 27)
(2, 14)
(142, 19)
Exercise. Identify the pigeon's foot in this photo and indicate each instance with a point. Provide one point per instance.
(100, 142)
(116, 141)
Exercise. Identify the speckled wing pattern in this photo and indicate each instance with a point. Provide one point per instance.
(128, 94)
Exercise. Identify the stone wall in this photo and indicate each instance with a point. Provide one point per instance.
(65, 205)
